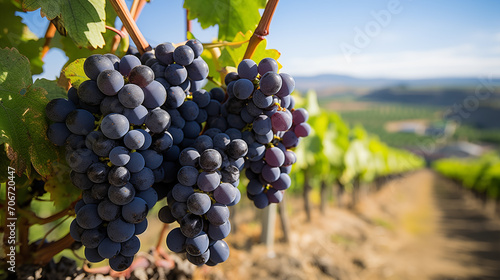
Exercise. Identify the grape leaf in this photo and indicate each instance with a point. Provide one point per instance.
(14, 71)
(233, 55)
(14, 33)
(84, 20)
(232, 16)
(74, 72)
(62, 191)
(73, 52)
(23, 123)
(53, 89)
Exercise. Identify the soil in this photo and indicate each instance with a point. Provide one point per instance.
(420, 226)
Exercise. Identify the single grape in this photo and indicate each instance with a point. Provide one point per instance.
(110, 82)
(247, 69)
(107, 210)
(80, 122)
(165, 53)
(183, 55)
(175, 97)
(155, 95)
(141, 75)
(108, 248)
(91, 238)
(87, 217)
(198, 69)
(270, 83)
(120, 262)
(119, 156)
(158, 120)
(219, 252)
(131, 96)
(114, 126)
(300, 115)
(196, 46)
(197, 245)
(136, 162)
(176, 240)
(208, 181)
(120, 230)
(267, 64)
(121, 195)
(130, 247)
(89, 93)
(127, 63)
(262, 125)
(135, 211)
(58, 109)
(95, 64)
(191, 225)
(58, 133)
(175, 74)
(98, 172)
(189, 157)
(136, 116)
(288, 85)
(218, 214)
(210, 160)
(92, 255)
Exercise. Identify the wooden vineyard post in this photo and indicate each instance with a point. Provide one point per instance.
(323, 198)
(285, 224)
(307, 202)
(268, 225)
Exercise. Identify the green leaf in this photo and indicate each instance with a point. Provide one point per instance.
(53, 89)
(14, 71)
(84, 20)
(23, 123)
(231, 16)
(233, 55)
(16, 34)
(74, 72)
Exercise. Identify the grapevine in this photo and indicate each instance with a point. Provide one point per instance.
(186, 125)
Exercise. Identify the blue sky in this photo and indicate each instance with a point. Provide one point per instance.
(364, 38)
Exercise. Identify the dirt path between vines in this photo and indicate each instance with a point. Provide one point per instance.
(417, 227)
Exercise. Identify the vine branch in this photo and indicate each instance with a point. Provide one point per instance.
(135, 11)
(130, 25)
(188, 23)
(262, 29)
(49, 34)
(49, 250)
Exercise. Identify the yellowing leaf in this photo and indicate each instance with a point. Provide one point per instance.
(233, 55)
(74, 72)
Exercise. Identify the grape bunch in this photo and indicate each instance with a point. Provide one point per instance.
(114, 134)
(259, 103)
(207, 185)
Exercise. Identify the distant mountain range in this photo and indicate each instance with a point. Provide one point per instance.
(325, 82)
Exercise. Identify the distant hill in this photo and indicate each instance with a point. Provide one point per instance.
(331, 83)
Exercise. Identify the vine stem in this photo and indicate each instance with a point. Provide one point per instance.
(162, 236)
(262, 29)
(188, 23)
(49, 34)
(120, 33)
(45, 254)
(130, 25)
(135, 11)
